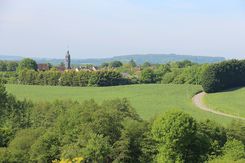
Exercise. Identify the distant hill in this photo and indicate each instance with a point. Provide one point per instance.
(10, 58)
(139, 59)
(164, 58)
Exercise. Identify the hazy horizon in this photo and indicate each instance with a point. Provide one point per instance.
(106, 28)
(105, 57)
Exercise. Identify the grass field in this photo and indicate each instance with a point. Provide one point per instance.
(148, 100)
(232, 102)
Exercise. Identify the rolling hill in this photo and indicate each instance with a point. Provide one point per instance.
(149, 100)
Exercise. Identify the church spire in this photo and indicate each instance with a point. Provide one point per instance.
(68, 60)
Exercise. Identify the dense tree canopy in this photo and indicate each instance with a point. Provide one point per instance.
(224, 75)
(27, 63)
(8, 65)
(176, 133)
(148, 76)
(72, 78)
(13, 116)
(115, 64)
(132, 63)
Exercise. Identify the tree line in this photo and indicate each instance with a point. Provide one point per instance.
(8, 66)
(72, 78)
(110, 132)
(213, 77)
(115, 72)
(224, 75)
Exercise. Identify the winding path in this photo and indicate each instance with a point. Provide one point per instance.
(198, 101)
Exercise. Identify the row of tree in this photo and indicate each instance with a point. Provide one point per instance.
(8, 66)
(215, 77)
(160, 74)
(168, 73)
(110, 132)
(183, 72)
(224, 75)
(71, 78)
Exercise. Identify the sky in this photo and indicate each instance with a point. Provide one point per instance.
(105, 28)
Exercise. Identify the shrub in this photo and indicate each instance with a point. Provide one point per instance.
(148, 76)
(27, 63)
(234, 150)
(178, 138)
(224, 75)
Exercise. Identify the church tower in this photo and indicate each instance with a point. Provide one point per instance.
(68, 60)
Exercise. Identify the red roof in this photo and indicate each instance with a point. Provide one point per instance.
(42, 67)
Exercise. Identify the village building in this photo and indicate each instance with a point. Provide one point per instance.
(43, 67)
(67, 66)
(61, 68)
(87, 68)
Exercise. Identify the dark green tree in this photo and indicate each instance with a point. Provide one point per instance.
(27, 63)
(13, 116)
(97, 149)
(234, 150)
(12, 66)
(178, 140)
(132, 63)
(148, 76)
(116, 64)
(103, 65)
(3, 66)
(20, 146)
(46, 148)
(224, 75)
(146, 64)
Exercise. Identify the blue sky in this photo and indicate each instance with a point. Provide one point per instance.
(104, 28)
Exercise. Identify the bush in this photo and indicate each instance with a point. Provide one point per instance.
(115, 64)
(234, 150)
(106, 78)
(224, 75)
(9, 77)
(27, 63)
(178, 138)
(4, 155)
(148, 76)
(8, 65)
(20, 146)
(28, 77)
(13, 116)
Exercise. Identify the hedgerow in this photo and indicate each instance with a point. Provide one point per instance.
(224, 75)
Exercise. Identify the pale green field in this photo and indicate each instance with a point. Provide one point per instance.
(148, 100)
(232, 102)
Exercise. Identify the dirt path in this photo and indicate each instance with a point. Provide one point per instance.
(198, 101)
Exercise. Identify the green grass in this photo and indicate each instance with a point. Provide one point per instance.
(148, 100)
(232, 102)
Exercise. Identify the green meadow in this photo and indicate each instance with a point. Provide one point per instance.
(149, 100)
(232, 102)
